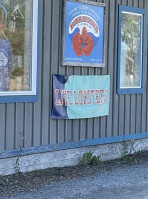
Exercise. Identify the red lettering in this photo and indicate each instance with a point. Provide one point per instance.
(76, 101)
(88, 97)
(69, 97)
(59, 102)
(84, 97)
(92, 93)
(84, 19)
(80, 97)
(63, 97)
(56, 97)
(105, 96)
(97, 96)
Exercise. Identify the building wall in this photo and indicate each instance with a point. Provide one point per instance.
(25, 125)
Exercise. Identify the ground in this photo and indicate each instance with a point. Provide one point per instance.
(24, 182)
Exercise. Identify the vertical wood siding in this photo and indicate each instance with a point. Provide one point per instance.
(29, 124)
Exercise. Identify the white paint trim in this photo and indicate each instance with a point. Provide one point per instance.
(34, 57)
(34, 46)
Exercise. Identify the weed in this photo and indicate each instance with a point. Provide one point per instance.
(95, 160)
(125, 156)
(126, 159)
(89, 159)
(20, 146)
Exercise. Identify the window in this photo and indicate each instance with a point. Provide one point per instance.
(18, 50)
(131, 47)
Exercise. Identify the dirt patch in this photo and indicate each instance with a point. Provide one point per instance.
(23, 182)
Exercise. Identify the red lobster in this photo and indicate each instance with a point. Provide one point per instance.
(83, 39)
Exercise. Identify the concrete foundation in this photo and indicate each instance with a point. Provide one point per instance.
(69, 157)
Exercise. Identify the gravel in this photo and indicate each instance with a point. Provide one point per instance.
(13, 185)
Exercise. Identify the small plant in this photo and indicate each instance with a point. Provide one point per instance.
(126, 151)
(89, 159)
(95, 160)
(126, 158)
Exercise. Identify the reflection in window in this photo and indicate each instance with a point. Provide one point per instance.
(16, 44)
(131, 50)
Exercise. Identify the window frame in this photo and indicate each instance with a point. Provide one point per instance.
(33, 95)
(131, 90)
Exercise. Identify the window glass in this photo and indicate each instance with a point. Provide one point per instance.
(18, 23)
(131, 50)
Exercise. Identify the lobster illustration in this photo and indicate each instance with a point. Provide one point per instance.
(83, 43)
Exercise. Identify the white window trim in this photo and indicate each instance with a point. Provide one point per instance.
(34, 58)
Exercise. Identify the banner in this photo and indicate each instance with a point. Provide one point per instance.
(77, 96)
